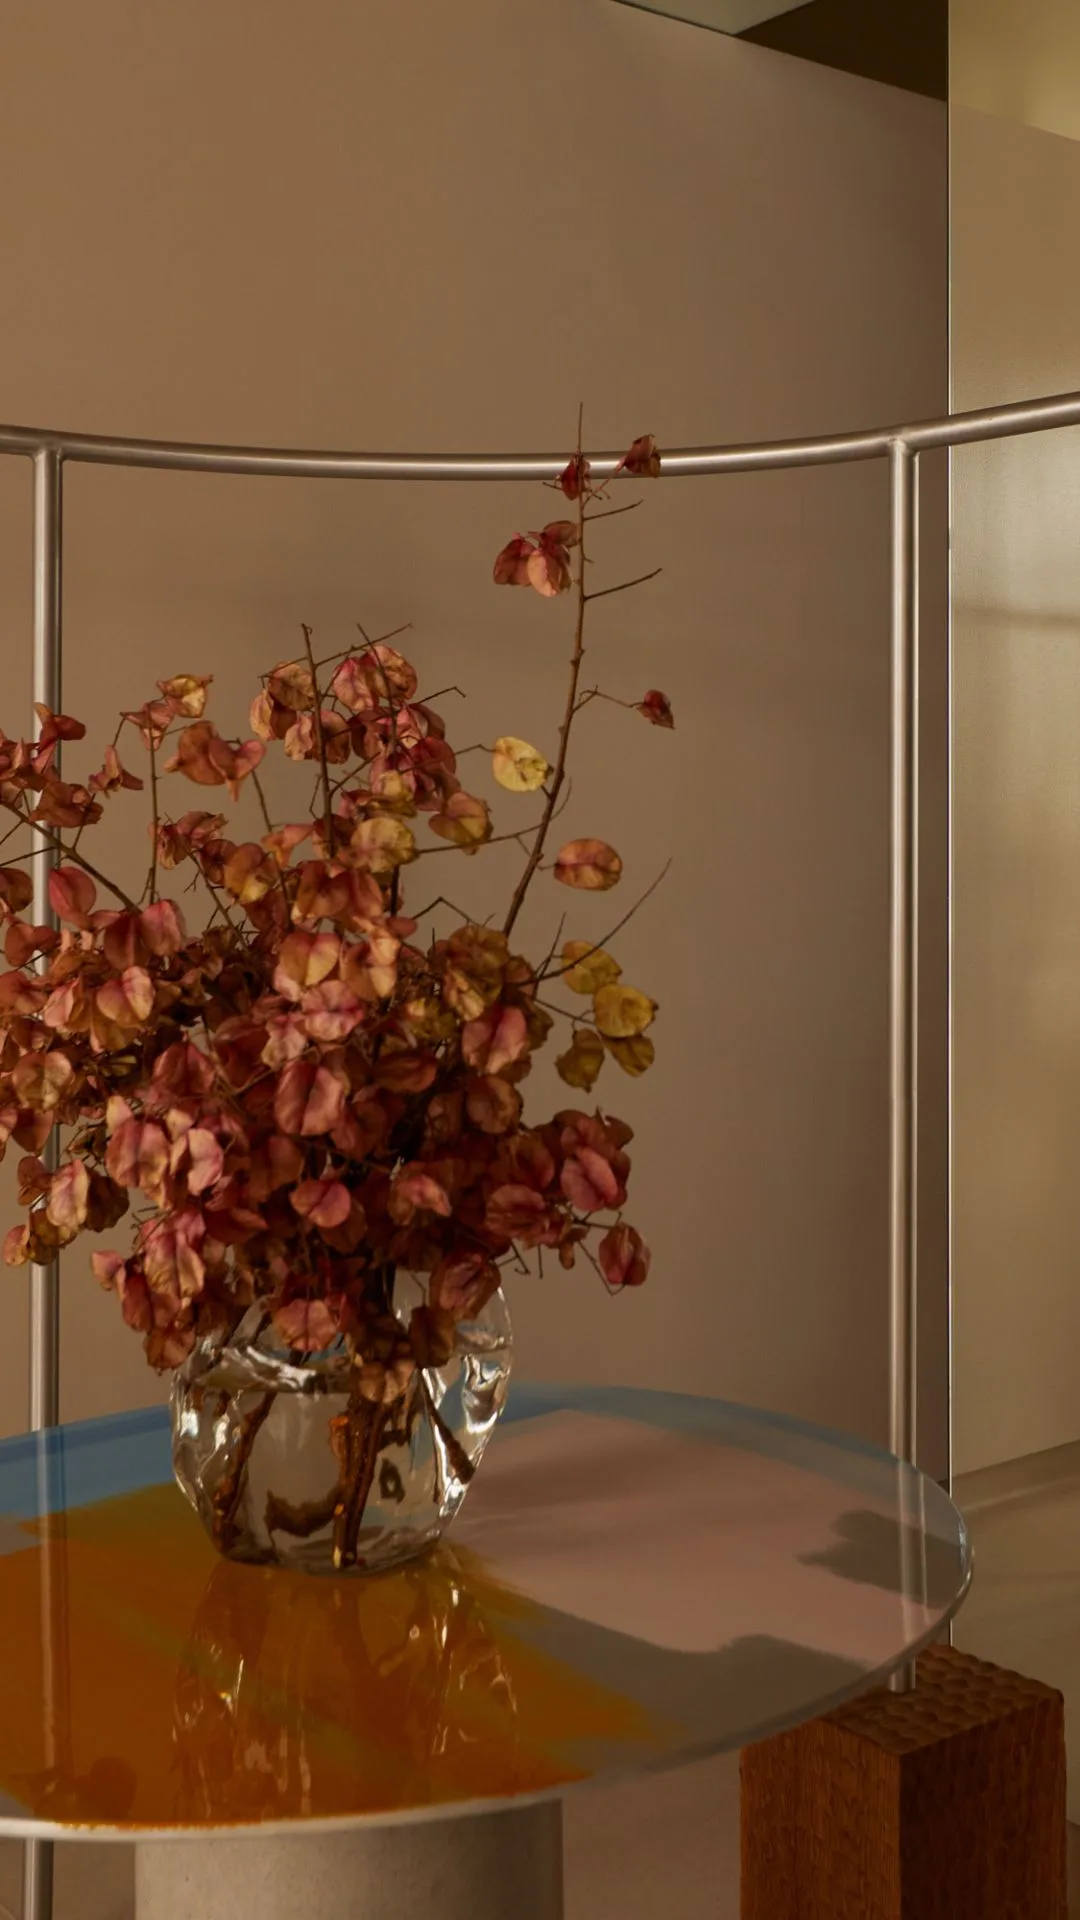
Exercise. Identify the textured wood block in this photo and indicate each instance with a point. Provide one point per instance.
(947, 1803)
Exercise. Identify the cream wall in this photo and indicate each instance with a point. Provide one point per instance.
(1017, 59)
(382, 223)
(1016, 331)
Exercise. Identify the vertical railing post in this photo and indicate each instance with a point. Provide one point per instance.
(44, 1385)
(44, 1288)
(904, 980)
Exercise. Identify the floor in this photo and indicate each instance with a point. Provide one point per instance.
(671, 1844)
(668, 1844)
(1024, 1607)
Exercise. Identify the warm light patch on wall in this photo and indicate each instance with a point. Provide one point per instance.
(1019, 60)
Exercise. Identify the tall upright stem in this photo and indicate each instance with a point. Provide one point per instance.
(362, 1434)
(320, 739)
(576, 658)
(151, 883)
(230, 1492)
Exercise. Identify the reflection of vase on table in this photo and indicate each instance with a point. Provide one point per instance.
(297, 1698)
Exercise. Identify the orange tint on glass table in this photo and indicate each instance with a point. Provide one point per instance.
(196, 1690)
(634, 1579)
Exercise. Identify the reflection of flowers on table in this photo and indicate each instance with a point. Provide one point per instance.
(103, 1793)
(259, 1728)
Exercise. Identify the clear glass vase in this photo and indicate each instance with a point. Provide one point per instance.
(284, 1460)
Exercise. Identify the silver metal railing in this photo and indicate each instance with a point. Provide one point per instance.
(901, 446)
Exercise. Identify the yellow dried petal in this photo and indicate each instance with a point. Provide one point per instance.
(585, 967)
(517, 766)
(634, 1056)
(622, 1012)
(582, 1062)
(382, 843)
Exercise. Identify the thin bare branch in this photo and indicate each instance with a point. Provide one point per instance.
(565, 1013)
(610, 512)
(617, 928)
(263, 808)
(265, 811)
(59, 846)
(115, 741)
(597, 693)
(426, 698)
(550, 955)
(5, 837)
(495, 841)
(344, 652)
(584, 1247)
(388, 696)
(220, 904)
(624, 585)
(441, 900)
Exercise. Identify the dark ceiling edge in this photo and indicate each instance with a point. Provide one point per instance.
(902, 43)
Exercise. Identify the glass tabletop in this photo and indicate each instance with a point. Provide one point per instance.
(636, 1579)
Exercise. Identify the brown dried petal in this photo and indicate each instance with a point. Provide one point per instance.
(656, 707)
(291, 685)
(624, 1257)
(464, 820)
(642, 460)
(589, 864)
(186, 693)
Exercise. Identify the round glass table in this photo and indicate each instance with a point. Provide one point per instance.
(636, 1579)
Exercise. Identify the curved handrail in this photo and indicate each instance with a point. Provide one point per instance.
(986, 423)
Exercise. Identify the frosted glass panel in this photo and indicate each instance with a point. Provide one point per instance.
(1016, 821)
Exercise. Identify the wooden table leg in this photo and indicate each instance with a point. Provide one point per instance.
(499, 1866)
(946, 1803)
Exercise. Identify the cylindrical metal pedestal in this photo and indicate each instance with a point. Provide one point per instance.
(482, 1867)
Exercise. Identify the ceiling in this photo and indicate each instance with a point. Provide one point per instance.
(724, 16)
(904, 43)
